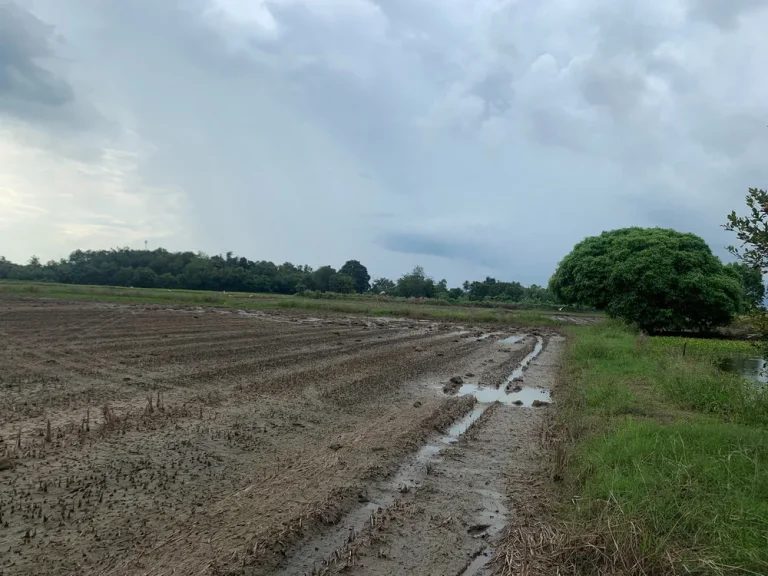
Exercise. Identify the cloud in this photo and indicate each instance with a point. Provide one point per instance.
(442, 247)
(725, 15)
(77, 204)
(471, 136)
(22, 81)
(33, 87)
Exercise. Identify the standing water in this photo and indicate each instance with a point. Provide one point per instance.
(754, 369)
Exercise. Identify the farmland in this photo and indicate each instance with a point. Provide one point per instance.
(368, 304)
(154, 438)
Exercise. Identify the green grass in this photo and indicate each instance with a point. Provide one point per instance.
(666, 466)
(362, 305)
(703, 346)
(419, 311)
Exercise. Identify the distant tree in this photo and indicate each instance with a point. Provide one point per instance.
(359, 273)
(383, 286)
(144, 278)
(655, 278)
(342, 284)
(492, 289)
(455, 293)
(536, 293)
(5, 267)
(321, 278)
(752, 280)
(167, 280)
(416, 284)
(199, 271)
(124, 277)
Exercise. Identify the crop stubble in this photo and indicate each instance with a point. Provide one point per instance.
(189, 441)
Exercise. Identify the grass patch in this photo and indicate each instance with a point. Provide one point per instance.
(706, 347)
(362, 305)
(664, 460)
(419, 311)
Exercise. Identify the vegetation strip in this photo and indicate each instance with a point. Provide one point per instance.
(367, 305)
(663, 460)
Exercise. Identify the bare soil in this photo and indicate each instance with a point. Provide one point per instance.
(145, 440)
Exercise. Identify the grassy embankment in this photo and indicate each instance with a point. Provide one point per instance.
(662, 460)
(371, 306)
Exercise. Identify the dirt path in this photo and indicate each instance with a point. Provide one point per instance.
(454, 498)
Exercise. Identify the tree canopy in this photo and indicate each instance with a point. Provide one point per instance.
(415, 284)
(359, 274)
(752, 280)
(656, 278)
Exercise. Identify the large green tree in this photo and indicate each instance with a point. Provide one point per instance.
(359, 273)
(752, 279)
(656, 278)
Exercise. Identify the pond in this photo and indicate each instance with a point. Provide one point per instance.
(754, 369)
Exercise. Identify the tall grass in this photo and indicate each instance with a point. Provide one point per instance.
(666, 460)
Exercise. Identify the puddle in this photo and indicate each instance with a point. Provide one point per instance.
(489, 395)
(754, 369)
(461, 426)
(518, 372)
(514, 339)
(383, 494)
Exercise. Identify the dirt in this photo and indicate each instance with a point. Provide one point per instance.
(147, 440)
(450, 520)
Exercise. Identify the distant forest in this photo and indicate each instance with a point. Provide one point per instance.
(197, 271)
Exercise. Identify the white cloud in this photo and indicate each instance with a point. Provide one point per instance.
(51, 204)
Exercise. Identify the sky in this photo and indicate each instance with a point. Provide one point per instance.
(472, 137)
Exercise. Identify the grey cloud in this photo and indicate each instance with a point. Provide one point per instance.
(438, 245)
(723, 13)
(616, 89)
(496, 91)
(27, 89)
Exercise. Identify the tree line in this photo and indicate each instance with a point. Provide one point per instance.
(161, 268)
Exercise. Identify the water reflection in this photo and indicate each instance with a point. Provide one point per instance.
(754, 369)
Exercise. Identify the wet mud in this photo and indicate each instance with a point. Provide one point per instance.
(147, 440)
(445, 508)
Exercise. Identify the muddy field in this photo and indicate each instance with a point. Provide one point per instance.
(141, 440)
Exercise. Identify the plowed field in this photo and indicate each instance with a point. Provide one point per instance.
(145, 440)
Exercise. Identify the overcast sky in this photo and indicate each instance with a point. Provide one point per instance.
(473, 137)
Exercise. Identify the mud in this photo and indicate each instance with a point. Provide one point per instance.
(202, 441)
(459, 493)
